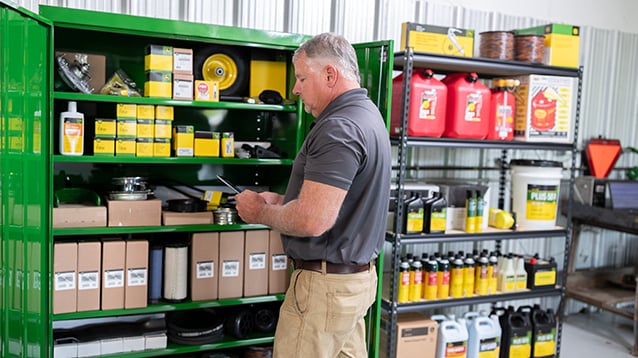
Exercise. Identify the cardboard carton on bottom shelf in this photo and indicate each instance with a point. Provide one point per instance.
(416, 336)
(278, 268)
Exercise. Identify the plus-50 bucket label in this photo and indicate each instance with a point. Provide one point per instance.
(542, 201)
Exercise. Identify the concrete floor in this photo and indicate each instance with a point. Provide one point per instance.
(597, 334)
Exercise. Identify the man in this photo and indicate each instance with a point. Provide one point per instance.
(333, 215)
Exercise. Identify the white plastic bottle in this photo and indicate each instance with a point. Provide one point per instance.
(521, 274)
(72, 131)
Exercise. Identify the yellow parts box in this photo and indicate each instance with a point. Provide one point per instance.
(268, 72)
(125, 147)
(562, 43)
(228, 145)
(207, 91)
(104, 146)
(163, 129)
(126, 111)
(437, 39)
(144, 147)
(183, 87)
(183, 61)
(158, 84)
(105, 128)
(162, 147)
(158, 58)
(145, 128)
(165, 113)
(126, 128)
(544, 109)
(207, 144)
(183, 141)
(145, 111)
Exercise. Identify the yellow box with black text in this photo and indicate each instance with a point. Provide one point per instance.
(158, 58)
(126, 111)
(165, 113)
(206, 144)
(162, 129)
(183, 140)
(105, 128)
(125, 147)
(104, 146)
(144, 147)
(145, 128)
(158, 84)
(162, 147)
(437, 39)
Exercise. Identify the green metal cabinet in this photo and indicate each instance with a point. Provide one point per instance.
(31, 169)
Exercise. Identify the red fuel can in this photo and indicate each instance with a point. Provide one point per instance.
(468, 107)
(427, 105)
(502, 110)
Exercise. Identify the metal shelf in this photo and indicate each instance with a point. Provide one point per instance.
(168, 160)
(481, 143)
(484, 67)
(459, 236)
(84, 231)
(453, 302)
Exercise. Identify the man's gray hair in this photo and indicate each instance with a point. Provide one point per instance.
(330, 48)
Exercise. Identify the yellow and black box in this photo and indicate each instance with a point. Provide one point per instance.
(126, 128)
(540, 273)
(165, 113)
(158, 58)
(104, 146)
(126, 111)
(145, 128)
(144, 147)
(228, 145)
(206, 144)
(145, 111)
(562, 43)
(125, 147)
(183, 140)
(437, 39)
(105, 128)
(162, 129)
(207, 91)
(158, 84)
(162, 147)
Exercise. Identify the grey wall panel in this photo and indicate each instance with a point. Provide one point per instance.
(309, 17)
(261, 14)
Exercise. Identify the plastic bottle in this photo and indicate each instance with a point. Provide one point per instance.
(470, 211)
(480, 206)
(482, 280)
(502, 110)
(500, 219)
(469, 268)
(468, 106)
(456, 278)
(493, 273)
(507, 277)
(414, 214)
(404, 283)
(436, 214)
(416, 281)
(443, 279)
(521, 274)
(71, 131)
(430, 289)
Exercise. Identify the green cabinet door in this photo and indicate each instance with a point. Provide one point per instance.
(24, 151)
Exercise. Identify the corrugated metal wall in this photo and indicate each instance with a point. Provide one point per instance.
(609, 104)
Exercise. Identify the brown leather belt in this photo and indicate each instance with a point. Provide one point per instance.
(315, 265)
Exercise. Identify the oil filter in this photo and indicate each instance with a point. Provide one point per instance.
(529, 48)
(498, 45)
(175, 272)
(155, 274)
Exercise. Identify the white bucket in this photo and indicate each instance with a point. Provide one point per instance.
(535, 192)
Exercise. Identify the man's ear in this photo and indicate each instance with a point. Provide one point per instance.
(331, 75)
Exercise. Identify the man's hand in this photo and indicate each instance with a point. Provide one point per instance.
(249, 205)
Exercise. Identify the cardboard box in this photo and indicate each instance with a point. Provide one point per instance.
(562, 43)
(155, 341)
(165, 113)
(136, 286)
(544, 109)
(158, 58)
(183, 61)
(183, 87)
(231, 263)
(113, 264)
(256, 259)
(96, 67)
(66, 349)
(126, 128)
(416, 336)
(144, 147)
(206, 91)
(204, 270)
(65, 271)
(196, 218)
(111, 345)
(162, 147)
(183, 140)
(437, 39)
(278, 267)
(162, 129)
(133, 344)
(105, 128)
(89, 269)
(105, 147)
(206, 144)
(145, 128)
(89, 349)
(268, 71)
(125, 147)
(228, 145)
(79, 215)
(134, 212)
(145, 111)
(126, 111)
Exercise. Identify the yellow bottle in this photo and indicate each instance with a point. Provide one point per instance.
(443, 279)
(430, 284)
(404, 283)
(493, 273)
(468, 276)
(416, 281)
(456, 278)
(482, 281)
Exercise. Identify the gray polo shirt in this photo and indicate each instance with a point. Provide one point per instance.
(348, 147)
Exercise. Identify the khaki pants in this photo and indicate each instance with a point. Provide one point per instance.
(322, 315)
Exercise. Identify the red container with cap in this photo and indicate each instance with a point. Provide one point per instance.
(427, 105)
(502, 110)
(468, 107)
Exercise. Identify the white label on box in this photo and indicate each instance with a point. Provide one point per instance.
(113, 278)
(88, 280)
(183, 61)
(230, 268)
(257, 261)
(184, 152)
(65, 280)
(205, 269)
(182, 89)
(279, 262)
(137, 276)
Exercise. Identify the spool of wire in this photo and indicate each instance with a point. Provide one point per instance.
(529, 48)
(155, 274)
(498, 45)
(175, 272)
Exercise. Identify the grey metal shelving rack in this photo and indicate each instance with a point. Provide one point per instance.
(406, 61)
